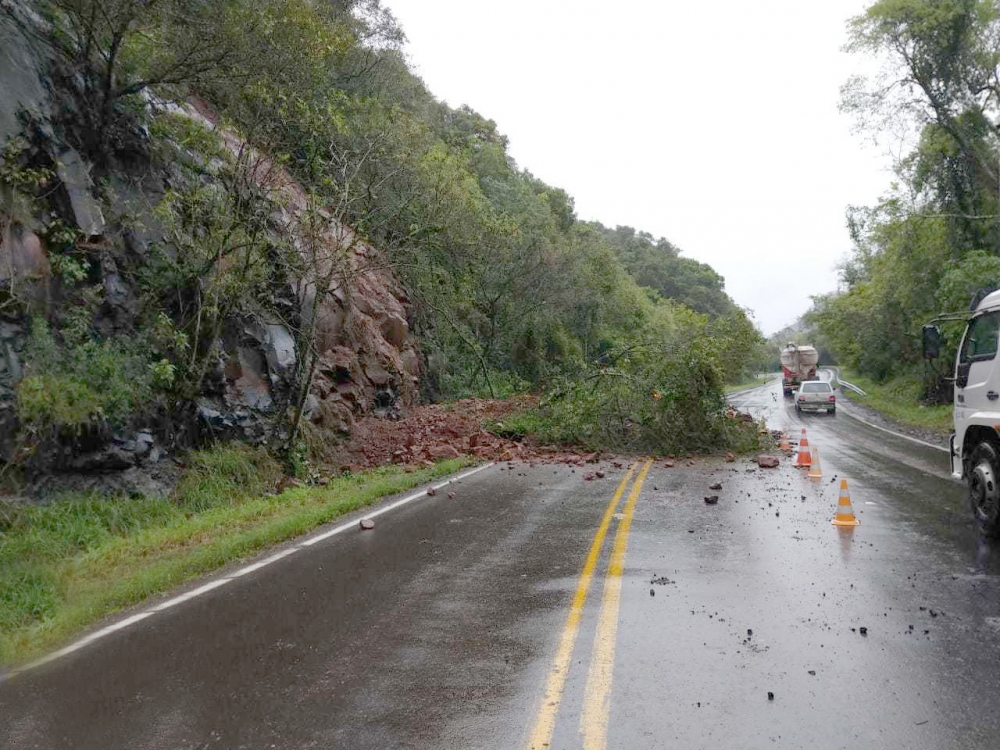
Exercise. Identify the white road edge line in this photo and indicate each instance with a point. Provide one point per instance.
(897, 434)
(122, 624)
(82, 642)
(190, 595)
(866, 422)
(264, 563)
(416, 496)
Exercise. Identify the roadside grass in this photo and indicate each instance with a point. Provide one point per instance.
(899, 400)
(750, 382)
(66, 565)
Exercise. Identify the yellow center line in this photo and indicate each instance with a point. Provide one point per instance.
(541, 735)
(597, 698)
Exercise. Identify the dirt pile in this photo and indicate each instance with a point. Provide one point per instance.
(424, 434)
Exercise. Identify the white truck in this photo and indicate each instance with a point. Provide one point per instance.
(798, 364)
(975, 442)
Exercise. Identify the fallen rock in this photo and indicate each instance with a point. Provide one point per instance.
(730, 457)
(767, 462)
(431, 492)
(712, 500)
(599, 474)
(287, 483)
(716, 486)
(367, 524)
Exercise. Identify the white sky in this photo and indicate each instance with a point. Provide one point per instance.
(714, 125)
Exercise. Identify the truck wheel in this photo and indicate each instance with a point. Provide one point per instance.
(984, 487)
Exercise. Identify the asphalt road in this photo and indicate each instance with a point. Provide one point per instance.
(494, 619)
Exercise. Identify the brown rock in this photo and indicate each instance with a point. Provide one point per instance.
(767, 462)
(443, 451)
(730, 457)
(286, 483)
(431, 492)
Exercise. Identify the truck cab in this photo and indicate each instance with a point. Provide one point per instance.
(975, 442)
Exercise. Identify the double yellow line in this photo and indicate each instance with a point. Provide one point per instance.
(594, 721)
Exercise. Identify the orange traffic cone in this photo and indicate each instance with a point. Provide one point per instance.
(783, 444)
(845, 512)
(803, 460)
(815, 470)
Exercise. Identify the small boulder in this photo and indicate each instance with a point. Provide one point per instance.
(767, 462)
(367, 524)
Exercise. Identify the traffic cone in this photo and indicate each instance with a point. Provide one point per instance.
(803, 460)
(783, 444)
(845, 513)
(815, 470)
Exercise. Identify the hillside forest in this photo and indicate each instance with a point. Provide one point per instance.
(264, 169)
(934, 239)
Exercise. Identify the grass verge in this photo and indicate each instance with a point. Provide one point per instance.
(68, 564)
(899, 400)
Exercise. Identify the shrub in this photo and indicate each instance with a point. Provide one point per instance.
(659, 400)
(82, 384)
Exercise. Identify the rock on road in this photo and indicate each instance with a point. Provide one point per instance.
(441, 627)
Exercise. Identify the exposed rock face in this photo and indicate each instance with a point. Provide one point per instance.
(369, 362)
(12, 341)
(23, 68)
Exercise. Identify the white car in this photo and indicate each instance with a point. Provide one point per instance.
(816, 395)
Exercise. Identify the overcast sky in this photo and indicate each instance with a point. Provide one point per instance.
(714, 125)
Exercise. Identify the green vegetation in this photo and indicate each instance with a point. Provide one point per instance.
(899, 398)
(65, 565)
(509, 290)
(929, 244)
(655, 398)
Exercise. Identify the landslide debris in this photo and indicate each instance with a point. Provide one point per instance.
(428, 433)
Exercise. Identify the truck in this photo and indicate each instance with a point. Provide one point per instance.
(974, 444)
(798, 363)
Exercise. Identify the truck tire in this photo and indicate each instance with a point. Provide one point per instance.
(984, 487)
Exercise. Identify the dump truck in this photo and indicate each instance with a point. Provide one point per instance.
(798, 363)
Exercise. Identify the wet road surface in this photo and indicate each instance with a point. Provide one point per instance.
(472, 623)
